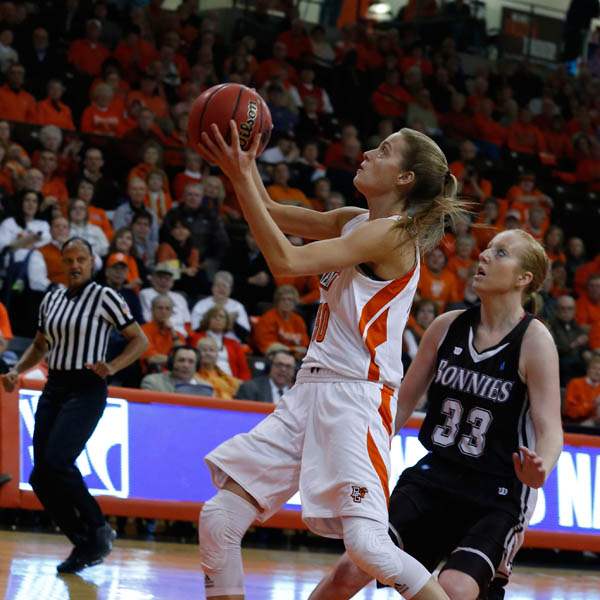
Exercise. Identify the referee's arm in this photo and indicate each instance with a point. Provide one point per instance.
(31, 357)
(137, 342)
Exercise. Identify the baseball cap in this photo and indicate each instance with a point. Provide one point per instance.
(117, 258)
(169, 266)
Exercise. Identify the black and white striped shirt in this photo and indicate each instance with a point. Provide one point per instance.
(77, 326)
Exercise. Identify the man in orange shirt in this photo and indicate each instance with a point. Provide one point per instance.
(276, 67)
(161, 336)
(588, 304)
(489, 131)
(437, 282)
(282, 324)
(102, 116)
(87, 54)
(53, 185)
(390, 99)
(133, 52)
(523, 136)
(150, 96)
(59, 230)
(15, 103)
(582, 400)
(52, 111)
(281, 192)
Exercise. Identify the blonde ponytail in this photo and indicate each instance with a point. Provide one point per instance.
(432, 200)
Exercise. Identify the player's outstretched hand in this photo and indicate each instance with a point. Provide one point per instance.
(10, 380)
(231, 159)
(529, 467)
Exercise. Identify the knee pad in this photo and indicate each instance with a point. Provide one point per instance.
(370, 547)
(223, 522)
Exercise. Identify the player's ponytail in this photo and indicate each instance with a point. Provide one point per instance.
(432, 200)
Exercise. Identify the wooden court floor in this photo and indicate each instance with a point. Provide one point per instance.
(160, 571)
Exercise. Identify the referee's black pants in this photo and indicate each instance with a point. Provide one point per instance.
(67, 414)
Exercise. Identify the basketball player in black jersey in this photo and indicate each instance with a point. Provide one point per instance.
(493, 431)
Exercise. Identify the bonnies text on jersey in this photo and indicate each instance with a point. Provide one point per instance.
(471, 382)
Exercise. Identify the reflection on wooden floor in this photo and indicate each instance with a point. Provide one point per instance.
(158, 571)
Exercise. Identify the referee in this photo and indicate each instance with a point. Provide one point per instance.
(73, 328)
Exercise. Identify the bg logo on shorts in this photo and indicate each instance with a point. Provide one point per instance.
(358, 493)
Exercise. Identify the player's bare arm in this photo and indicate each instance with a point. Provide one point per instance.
(422, 369)
(305, 222)
(371, 242)
(539, 367)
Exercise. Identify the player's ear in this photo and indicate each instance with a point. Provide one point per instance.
(405, 178)
(525, 278)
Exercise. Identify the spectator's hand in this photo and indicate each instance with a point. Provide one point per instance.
(48, 201)
(261, 279)
(529, 467)
(25, 240)
(101, 369)
(10, 380)
(580, 340)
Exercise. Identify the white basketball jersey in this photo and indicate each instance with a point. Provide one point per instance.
(360, 322)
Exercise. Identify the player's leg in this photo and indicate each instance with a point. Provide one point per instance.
(255, 473)
(474, 563)
(342, 583)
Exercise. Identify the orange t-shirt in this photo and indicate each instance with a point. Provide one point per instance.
(17, 106)
(580, 399)
(166, 252)
(441, 288)
(54, 265)
(525, 138)
(132, 59)
(160, 340)
(97, 216)
(489, 130)
(586, 312)
(272, 327)
(56, 187)
(288, 195)
(87, 57)
(54, 113)
(5, 328)
(157, 104)
(101, 121)
(583, 273)
(307, 286)
(594, 336)
(460, 268)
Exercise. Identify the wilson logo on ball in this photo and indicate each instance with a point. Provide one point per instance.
(248, 125)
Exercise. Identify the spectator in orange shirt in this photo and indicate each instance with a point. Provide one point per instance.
(582, 400)
(225, 385)
(523, 136)
(158, 199)
(525, 194)
(553, 243)
(53, 185)
(490, 133)
(192, 173)
(282, 324)
(217, 323)
(457, 123)
(97, 216)
(52, 251)
(133, 52)
(122, 245)
(588, 304)
(390, 99)
(583, 272)
(461, 263)
(282, 192)
(161, 336)
(437, 282)
(558, 143)
(558, 272)
(102, 117)
(52, 111)
(15, 103)
(276, 68)
(150, 96)
(537, 223)
(296, 41)
(87, 54)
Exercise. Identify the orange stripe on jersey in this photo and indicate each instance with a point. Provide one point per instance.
(376, 335)
(381, 298)
(378, 464)
(385, 410)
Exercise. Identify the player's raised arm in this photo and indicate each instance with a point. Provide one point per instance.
(305, 222)
(422, 368)
(540, 369)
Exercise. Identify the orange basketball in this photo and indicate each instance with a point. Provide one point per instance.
(221, 103)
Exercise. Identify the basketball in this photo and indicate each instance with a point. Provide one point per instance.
(221, 103)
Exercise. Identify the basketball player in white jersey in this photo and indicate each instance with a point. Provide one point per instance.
(330, 435)
(493, 430)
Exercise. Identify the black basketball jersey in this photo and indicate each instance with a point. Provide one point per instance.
(478, 412)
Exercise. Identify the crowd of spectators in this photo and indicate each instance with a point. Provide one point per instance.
(94, 106)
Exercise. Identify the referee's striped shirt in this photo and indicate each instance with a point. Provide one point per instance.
(77, 326)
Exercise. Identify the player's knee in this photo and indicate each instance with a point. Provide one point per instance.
(223, 522)
(364, 540)
(458, 586)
